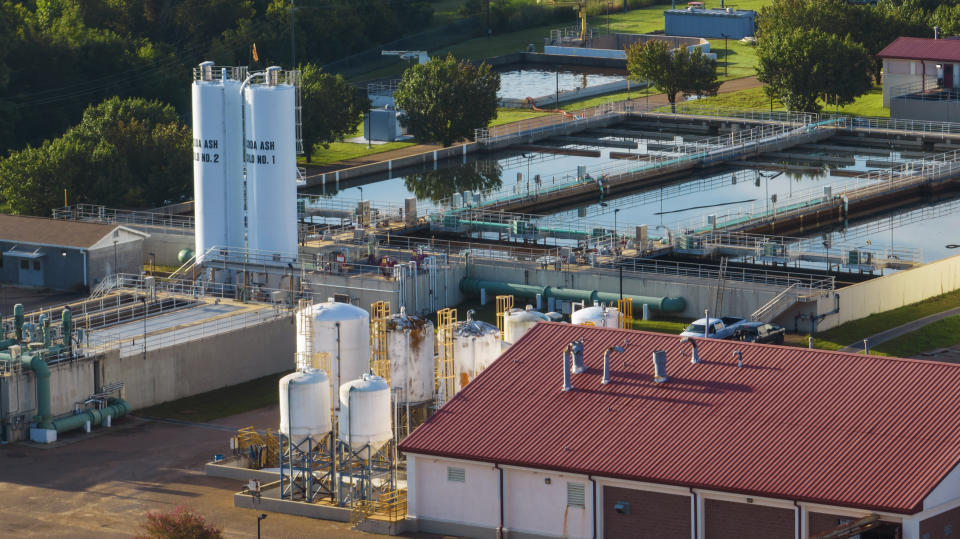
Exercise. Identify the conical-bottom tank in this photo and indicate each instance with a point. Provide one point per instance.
(365, 413)
(305, 405)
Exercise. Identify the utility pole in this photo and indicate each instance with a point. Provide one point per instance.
(489, 31)
(293, 48)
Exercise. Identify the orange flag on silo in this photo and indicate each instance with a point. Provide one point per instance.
(256, 57)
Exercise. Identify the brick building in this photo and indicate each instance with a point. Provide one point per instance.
(793, 443)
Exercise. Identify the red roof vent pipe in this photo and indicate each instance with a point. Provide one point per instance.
(660, 366)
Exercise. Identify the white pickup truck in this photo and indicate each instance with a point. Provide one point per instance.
(719, 328)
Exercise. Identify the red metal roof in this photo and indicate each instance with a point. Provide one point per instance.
(792, 423)
(918, 48)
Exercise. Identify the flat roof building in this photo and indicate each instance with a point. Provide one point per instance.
(66, 255)
(792, 443)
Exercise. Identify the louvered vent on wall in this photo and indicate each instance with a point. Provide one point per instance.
(576, 495)
(457, 475)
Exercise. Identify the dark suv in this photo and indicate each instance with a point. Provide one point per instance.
(759, 332)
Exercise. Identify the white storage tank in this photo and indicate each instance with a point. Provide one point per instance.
(350, 357)
(233, 168)
(598, 315)
(271, 163)
(365, 413)
(410, 350)
(475, 346)
(209, 161)
(305, 405)
(517, 322)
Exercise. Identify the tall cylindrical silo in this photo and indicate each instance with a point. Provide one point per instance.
(271, 165)
(209, 174)
(233, 169)
(217, 157)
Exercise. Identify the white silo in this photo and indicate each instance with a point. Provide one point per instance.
(305, 405)
(342, 333)
(365, 413)
(410, 342)
(233, 169)
(598, 315)
(271, 163)
(517, 322)
(475, 346)
(209, 173)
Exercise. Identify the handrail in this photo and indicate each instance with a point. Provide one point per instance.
(769, 306)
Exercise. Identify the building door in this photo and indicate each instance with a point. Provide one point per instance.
(31, 272)
(948, 75)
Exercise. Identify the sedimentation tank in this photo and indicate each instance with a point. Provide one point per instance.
(365, 413)
(476, 345)
(305, 405)
(271, 163)
(342, 332)
(410, 343)
(217, 157)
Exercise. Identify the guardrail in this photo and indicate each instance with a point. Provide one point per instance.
(101, 214)
(715, 149)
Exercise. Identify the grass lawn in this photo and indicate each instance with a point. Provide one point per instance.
(341, 151)
(857, 330)
(505, 116)
(870, 104)
(940, 334)
(221, 402)
(673, 327)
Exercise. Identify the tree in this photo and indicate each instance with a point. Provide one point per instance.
(673, 71)
(124, 153)
(444, 99)
(181, 523)
(802, 65)
(331, 110)
(874, 27)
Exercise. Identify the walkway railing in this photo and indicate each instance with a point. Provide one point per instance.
(101, 214)
(904, 176)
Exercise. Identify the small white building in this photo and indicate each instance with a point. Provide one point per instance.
(913, 64)
(786, 443)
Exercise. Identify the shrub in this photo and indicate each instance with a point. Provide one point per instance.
(181, 523)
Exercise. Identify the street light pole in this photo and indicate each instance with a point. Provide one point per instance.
(726, 53)
(144, 300)
(259, 518)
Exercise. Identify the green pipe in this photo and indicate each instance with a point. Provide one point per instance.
(38, 365)
(116, 408)
(7, 343)
(45, 330)
(18, 321)
(66, 328)
(472, 287)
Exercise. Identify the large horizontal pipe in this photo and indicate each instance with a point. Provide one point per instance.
(116, 409)
(472, 287)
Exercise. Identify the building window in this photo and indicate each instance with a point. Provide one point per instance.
(456, 475)
(24, 264)
(925, 536)
(36, 265)
(948, 530)
(576, 495)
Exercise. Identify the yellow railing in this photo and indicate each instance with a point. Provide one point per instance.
(379, 362)
(504, 304)
(391, 506)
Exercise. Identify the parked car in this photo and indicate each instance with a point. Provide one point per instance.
(720, 328)
(759, 332)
